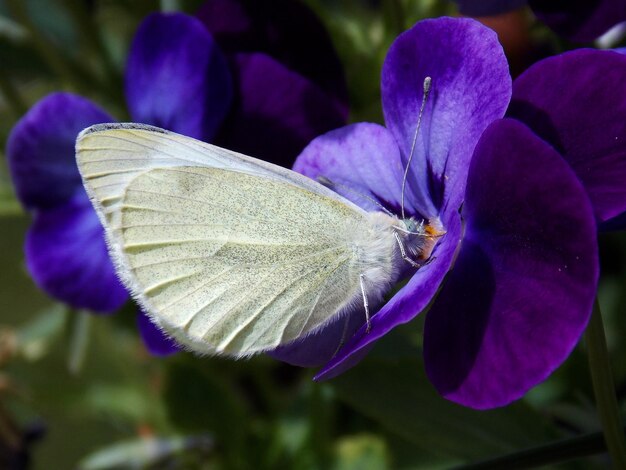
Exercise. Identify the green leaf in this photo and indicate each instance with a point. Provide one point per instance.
(35, 338)
(79, 341)
(20, 297)
(361, 452)
(8, 204)
(141, 453)
(396, 393)
(197, 401)
(121, 401)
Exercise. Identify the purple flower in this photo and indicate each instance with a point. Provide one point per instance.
(176, 78)
(576, 20)
(153, 339)
(520, 252)
(267, 26)
(269, 42)
(580, 20)
(65, 250)
(576, 102)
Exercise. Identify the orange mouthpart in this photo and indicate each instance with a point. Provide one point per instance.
(433, 231)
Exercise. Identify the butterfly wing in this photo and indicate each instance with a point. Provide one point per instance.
(226, 260)
(109, 156)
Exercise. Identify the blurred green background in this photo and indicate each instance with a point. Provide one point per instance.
(97, 400)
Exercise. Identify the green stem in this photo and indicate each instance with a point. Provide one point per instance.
(320, 424)
(79, 341)
(73, 74)
(552, 453)
(170, 5)
(52, 57)
(397, 13)
(604, 389)
(9, 432)
(10, 207)
(90, 32)
(612, 436)
(12, 96)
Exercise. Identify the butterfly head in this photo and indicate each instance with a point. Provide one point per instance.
(421, 236)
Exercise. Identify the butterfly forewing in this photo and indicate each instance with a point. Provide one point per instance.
(109, 156)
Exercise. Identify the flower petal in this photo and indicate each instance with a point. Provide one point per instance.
(157, 343)
(176, 76)
(319, 347)
(471, 87)
(40, 148)
(580, 20)
(404, 306)
(67, 257)
(277, 112)
(577, 103)
(364, 160)
(286, 30)
(521, 291)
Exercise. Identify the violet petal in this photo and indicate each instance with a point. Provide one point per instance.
(277, 111)
(364, 161)
(40, 148)
(580, 20)
(286, 30)
(471, 87)
(67, 257)
(521, 291)
(176, 76)
(577, 102)
(157, 343)
(320, 346)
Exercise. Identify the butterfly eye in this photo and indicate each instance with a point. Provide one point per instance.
(411, 225)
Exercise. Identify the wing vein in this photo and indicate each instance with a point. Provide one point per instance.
(193, 291)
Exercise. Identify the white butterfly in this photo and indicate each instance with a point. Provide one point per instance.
(229, 254)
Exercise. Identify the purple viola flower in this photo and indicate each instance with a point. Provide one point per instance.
(576, 20)
(519, 250)
(176, 78)
(271, 42)
(181, 83)
(241, 26)
(576, 102)
(580, 20)
(65, 250)
(153, 339)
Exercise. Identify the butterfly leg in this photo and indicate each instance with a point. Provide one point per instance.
(366, 304)
(405, 257)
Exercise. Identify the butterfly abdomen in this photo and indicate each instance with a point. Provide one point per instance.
(376, 254)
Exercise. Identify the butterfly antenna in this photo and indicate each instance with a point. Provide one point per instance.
(427, 83)
(330, 184)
